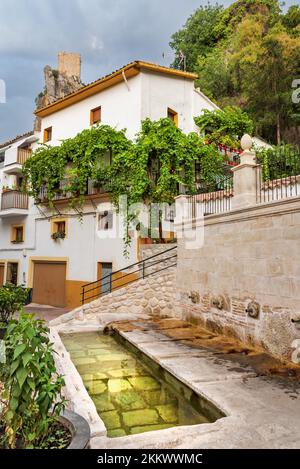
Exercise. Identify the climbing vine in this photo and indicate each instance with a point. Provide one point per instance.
(226, 126)
(149, 170)
(75, 161)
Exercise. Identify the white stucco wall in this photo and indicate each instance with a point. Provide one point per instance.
(120, 108)
(149, 95)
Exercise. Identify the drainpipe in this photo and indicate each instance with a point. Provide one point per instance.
(125, 79)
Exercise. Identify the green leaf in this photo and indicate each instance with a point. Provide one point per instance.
(17, 391)
(18, 350)
(13, 403)
(14, 367)
(21, 376)
(31, 384)
(30, 332)
(26, 358)
(9, 415)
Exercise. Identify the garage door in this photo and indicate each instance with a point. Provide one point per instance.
(49, 281)
(1, 274)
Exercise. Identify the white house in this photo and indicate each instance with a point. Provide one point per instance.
(56, 269)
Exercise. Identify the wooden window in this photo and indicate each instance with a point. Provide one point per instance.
(48, 134)
(95, 115)
(17, 234)
(58, 229)
(60, 226)
(105, 220)
(173, 116)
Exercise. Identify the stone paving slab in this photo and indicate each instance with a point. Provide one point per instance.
(148, 336)
(161, 348)
(203, 369)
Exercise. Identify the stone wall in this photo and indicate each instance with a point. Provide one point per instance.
(163, 260)
(69, 64)
(245, 278)
(154, 295)
(148, 250)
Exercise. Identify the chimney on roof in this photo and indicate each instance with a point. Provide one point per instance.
(69, 64)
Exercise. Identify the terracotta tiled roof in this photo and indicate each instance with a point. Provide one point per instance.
(15, 139)
(131, 69)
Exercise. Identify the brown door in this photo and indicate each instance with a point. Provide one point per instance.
(1, 274)
(49, 282)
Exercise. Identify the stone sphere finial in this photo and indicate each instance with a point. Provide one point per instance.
(246, 142)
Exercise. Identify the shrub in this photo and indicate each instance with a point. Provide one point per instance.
(12, 298)
(33, 388)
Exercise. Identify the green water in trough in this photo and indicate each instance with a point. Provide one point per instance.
(131, 395)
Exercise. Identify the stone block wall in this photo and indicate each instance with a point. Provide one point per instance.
(154, 295)
(250, 260)
(163, 260)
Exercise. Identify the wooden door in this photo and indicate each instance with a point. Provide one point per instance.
(49, 283)
(1, 274)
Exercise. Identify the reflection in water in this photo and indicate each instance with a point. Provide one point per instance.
(127, 396)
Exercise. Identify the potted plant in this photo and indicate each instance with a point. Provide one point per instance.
(33, 414)
(12, 299)
(58, 235)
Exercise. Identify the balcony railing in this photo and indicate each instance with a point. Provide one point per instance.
(23, 155)
(14, 199)
(62, 193)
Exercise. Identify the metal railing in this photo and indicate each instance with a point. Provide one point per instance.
(279, 174)
(14, 199)
(211, 198)
(62, 192)
(130, 274)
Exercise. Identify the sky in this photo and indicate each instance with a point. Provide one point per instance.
(107, 33)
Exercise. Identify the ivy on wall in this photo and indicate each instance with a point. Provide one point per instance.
(149, 170)
(76, 160)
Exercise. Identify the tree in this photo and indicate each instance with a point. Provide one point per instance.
(197, 37)
(251, 62)
(292, 18)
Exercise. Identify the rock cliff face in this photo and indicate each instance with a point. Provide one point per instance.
(59, 83)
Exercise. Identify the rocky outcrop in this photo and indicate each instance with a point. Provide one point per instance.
(59, 83)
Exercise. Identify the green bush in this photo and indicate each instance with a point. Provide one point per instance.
(12, 298)
(33, 389)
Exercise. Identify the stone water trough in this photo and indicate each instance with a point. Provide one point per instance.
(229, 379)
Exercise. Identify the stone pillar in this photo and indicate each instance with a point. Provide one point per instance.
(245, 177)
(181, 204)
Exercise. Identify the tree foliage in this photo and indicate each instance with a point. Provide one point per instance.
(250, 59)
(12, 299)
(197, 37)
(225, 126)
